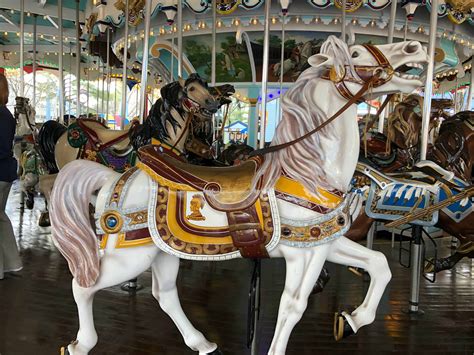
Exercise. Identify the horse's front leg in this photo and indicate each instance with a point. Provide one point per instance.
(346, 252)
(165, 270)
(303, 267)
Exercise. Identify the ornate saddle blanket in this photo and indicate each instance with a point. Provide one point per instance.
(392, 196)
(92, 146)
(204, 213)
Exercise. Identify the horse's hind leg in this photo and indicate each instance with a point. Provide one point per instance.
(346, 252)
(165, 270)
(303, 267)
(115, 268)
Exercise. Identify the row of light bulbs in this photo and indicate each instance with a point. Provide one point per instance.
(202, 25)
(453, 72)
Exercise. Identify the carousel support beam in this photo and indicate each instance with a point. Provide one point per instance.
(180, 38)
(22, 47)
(124, 73)
(87, 90)
(266, 54)
(78, 62)
(391, 25)
(343, 22)
(391, 30)
(60, 62)
(470, 93)
(282, 61)
(416, 267)
(429, 80)
(34, 59)
(108, 73)
(143, 94)
(214, 38)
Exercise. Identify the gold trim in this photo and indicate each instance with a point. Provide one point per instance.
(122, 243)
(178, 232)
(103, 242)
(104, 225)
(159, 143)
(294, 188)
(163, 181)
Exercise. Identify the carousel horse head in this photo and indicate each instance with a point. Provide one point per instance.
(183, 103)
(25, 117)
(338, 74)
(195, 97)
(391, 67)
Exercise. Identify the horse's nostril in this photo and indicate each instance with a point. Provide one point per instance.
(412, 47)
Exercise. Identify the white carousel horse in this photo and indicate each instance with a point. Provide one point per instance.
(24, 150)
(249, 205)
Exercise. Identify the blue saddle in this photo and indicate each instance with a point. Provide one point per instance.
(392, 196)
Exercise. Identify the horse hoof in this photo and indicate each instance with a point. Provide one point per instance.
(44, 220)
(429, 267)
(342, 328)
(64, 351)
(356, 270)
(216, 352)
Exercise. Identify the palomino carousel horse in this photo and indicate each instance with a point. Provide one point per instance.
(183, 105)
(292, 205)
(399, 149)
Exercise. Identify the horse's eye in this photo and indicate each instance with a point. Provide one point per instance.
(355, 54)
(191, 88)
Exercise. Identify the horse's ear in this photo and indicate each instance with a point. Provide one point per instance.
(181, 81)
(320, 61)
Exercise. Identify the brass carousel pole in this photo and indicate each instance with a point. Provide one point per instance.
(143, 93)
(124, 72)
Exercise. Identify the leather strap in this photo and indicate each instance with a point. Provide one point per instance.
(348, 104)
(379, 111)
(247, 234)
(95, 138)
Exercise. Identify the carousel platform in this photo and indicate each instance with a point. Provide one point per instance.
(38, 313)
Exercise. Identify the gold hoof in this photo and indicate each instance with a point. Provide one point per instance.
(429, 267)
(342, 328)
(355, 271)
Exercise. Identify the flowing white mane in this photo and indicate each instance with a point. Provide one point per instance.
(302, 113)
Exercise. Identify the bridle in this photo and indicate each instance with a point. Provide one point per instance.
(369, 77)
(365, 73)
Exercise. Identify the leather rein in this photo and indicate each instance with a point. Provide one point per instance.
(369, 77)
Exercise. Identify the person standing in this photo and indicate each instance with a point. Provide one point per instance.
(9, 257)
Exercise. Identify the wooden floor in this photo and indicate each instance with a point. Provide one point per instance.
(38, 314)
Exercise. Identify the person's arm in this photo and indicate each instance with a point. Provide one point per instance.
(7, 133)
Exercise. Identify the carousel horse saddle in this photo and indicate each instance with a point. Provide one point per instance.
(225, 188)
(392, 196)
(102, 136)
(229, 193)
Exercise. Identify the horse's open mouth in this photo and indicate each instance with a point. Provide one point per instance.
(409, 71)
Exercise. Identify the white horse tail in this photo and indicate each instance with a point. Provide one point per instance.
(72, 232)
